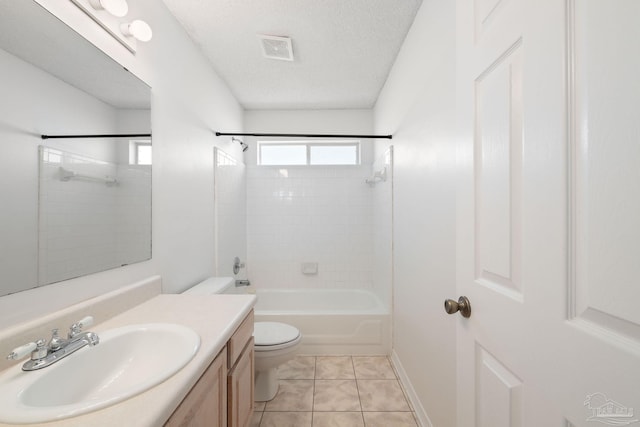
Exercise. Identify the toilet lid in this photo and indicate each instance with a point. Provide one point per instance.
(274, 333)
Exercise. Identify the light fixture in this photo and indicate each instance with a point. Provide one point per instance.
(118, 8)
(137, 29)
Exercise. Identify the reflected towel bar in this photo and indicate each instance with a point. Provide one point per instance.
(66, 175)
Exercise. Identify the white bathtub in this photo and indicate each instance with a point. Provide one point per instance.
(332, 321)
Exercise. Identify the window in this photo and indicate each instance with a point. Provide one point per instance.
(308, 153)
(140, 152)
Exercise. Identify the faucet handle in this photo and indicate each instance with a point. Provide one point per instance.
(22, 351)
(55, 343)
(77, 327)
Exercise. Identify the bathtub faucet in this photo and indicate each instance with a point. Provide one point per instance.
(242, 283)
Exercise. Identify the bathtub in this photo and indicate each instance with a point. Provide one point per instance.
(332, 321)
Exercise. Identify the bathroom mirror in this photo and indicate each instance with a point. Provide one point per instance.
(70, 206)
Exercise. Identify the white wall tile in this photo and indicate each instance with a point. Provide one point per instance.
(230, 212)
(87, 226)
(309, 214)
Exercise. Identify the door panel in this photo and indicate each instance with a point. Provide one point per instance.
(498, 391)
(548, 212)
(498, 153)
(605, 132)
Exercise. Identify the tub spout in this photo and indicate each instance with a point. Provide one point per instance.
(240, 283)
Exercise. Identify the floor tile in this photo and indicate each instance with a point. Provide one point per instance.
(386, 419)
(298, 368)
(338, 419)
(348, 391)
(293, 395)
(336, 395)
(404, 391)
(381, 395)
(373, 368)
(334, 368)
(286, 419)
(255, 419)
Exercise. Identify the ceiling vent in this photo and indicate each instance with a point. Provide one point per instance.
(276, 47)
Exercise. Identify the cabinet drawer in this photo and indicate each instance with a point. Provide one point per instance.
(239, 339)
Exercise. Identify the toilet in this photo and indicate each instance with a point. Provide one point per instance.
(274, 343)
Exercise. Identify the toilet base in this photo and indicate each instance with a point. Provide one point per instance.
(266, 385)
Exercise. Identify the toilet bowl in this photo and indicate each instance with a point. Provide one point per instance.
(274, 343)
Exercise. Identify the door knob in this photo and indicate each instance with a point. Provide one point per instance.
(462, 305)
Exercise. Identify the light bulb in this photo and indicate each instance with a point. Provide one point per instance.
(137, 29)
(118, 8)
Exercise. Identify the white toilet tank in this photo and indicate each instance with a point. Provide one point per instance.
(214, 285)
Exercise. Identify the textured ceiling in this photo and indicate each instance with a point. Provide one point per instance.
(343, 49)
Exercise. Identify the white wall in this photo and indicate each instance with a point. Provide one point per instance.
(189, 102)
(417, 107)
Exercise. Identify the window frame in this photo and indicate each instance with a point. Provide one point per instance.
(340, 143)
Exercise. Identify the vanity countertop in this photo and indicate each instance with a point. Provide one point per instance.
(213, 317)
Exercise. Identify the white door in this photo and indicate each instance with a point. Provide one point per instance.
(549, 212)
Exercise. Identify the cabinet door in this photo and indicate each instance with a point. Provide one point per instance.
(240, 387)
(205, 405)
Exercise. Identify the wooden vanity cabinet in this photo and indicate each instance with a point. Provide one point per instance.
(240, 384)
(223, 396)
(206, 403)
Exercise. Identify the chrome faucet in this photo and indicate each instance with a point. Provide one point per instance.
(43, 354)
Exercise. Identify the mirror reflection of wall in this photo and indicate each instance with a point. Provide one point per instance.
(93, 215)
(55, 82)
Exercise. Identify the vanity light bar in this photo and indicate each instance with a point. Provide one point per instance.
(119, 135)
(298, 135)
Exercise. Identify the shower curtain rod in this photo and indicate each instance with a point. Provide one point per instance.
(119, 135)
(301, 135)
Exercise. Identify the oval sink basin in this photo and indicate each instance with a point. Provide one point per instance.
(126, 362)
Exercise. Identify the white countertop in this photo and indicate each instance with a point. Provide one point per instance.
(213, 317)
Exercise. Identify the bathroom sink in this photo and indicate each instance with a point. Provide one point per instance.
(126, 362)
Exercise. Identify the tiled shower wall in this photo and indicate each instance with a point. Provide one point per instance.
(319, 214)
(230, 212)
(85, 225)
(383, 228)
(134, 213)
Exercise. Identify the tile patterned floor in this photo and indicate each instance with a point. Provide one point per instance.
(336, 391)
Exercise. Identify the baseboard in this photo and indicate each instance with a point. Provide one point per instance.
(421, 414)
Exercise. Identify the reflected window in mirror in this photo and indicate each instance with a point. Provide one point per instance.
(141, 152)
